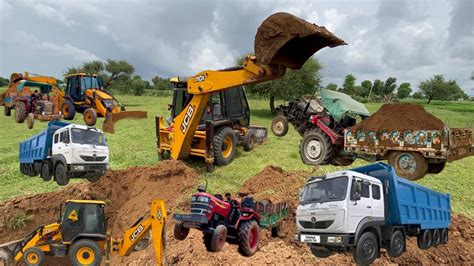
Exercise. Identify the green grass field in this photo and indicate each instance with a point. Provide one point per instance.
(134, 143)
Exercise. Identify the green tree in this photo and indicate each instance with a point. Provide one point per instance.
(418, 95)
(331, 86)
(377, 88)
(388, 88)
(160, 83)
(294, 84)
(4, 82)
(365, 88)
(404, 90)
(437, 88)
(348, 87)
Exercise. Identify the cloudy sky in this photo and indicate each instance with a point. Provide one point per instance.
(410, 40)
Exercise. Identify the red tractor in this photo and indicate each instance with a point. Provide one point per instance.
(220, 220)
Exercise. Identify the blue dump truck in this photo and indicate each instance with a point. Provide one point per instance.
(65, 151)
(368, 208)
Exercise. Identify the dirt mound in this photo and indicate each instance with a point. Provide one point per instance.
(401, 117)
(287, 40)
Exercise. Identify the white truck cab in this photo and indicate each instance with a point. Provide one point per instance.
(334, 207)
(81, 150)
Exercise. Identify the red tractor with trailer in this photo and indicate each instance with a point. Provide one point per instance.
(229, 219)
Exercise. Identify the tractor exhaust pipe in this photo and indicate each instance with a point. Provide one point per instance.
(286, 40)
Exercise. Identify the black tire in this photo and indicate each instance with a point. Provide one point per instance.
(424, 239)
(367, 249)
(180, 232)
(20, 112)
(397, 244)
(276, 231)
(30, 121)
(85, 252)
(248, 238)
(224, 146)
(280, 125)
(219, 237)
(7, 111)
(90, 117)
(436, 237)
(316, 148)
(436, 168)
(320, 252)
(93, 177)
(342, 160)
(444, 236)
(46, 173)
(60, 175)
(68, 110)
(33, 257)
(207, 239)
(410, 165)
(249, 140)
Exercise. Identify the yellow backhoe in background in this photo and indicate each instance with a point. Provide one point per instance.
(85, 93)
(282, 41)
(81, 234)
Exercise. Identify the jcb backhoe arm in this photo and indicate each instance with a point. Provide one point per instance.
(153, 222)
(282, 41)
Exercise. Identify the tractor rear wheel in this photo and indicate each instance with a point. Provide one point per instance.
(410, 165)
(85, 252)
(249, 140)
(20, 112)
(30, 121)
(224, 146)
(436, 168)
(219, 237)
(46, 172)
(248, 238)
(316, 148)
(180, 232)
(7, 111)
(68, 109)
(90, 117)
(60, 175)
(33, 257)
(280, 125)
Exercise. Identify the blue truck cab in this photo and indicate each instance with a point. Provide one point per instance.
(65, 151)
(368, 208)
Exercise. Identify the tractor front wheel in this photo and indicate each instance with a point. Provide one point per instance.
(180, 232)
(90, 117)
(34, 257)
(68, 109)
(316, 148)
(20, 112)
(30, 121)
(219, 237)
(85, 252)
(248, 238)
(280, 125)
(224, 146)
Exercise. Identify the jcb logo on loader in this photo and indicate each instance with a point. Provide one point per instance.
(187, 118)
(135, 233)
(199, 78)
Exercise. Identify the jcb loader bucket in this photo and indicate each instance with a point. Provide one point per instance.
(260, 134)
(113, 118)
(284, 39)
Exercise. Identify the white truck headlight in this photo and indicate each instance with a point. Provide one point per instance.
(79, 167)
(334, 239)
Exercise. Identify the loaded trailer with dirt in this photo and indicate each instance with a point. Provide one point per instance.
(413, 141)
(368, 208)
(65, 151)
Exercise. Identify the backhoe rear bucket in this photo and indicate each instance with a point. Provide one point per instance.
(284, 39)
(113, 118)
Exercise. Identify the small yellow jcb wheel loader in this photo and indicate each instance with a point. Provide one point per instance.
(80, 233)
(85, 93)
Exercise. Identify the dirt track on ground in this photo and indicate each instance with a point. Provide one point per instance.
(130, 191)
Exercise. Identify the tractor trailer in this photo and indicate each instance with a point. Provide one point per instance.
(368, 208)
(65, 151)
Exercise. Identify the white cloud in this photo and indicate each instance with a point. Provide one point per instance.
(333, 19)
(68, 52)
(106, 31)
(53, 14)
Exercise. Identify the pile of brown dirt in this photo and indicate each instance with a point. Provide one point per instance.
(287, 40)
(401, 117)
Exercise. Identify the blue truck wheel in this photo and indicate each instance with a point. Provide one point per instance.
(424, 239)
(444, 236)
(436, 237)
(397, 244)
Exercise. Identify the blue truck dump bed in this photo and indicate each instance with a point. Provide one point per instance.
(408, 202)
(37, 147)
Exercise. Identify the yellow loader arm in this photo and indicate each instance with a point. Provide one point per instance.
(134, 238)
(282, 41)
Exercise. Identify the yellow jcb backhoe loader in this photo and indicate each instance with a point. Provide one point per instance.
(80, 233)
(282, 41)
(85, 93)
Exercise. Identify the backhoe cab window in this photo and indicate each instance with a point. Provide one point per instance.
(334, 189)
(83, 136)
(89, 83)
(93, 219)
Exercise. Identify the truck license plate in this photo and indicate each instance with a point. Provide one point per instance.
(310, 239)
